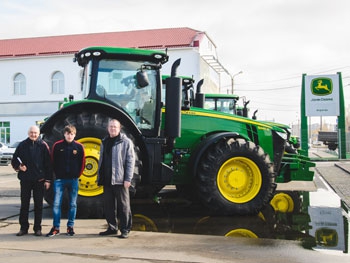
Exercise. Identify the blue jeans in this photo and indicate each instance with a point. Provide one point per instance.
(59, 186)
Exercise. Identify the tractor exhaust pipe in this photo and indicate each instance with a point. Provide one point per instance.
(173, 104)
(199, 95)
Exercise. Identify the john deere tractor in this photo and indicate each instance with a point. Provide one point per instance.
(294, 165)
(229, 163)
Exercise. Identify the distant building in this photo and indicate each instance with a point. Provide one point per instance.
(37, 73)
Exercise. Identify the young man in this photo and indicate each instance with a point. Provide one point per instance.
(68, 159)
(116, 169)
(31, 160)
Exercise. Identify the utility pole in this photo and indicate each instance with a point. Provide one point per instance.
(232, 80)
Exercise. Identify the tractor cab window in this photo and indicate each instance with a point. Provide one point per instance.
(85, 79)
(117, 82)
(210, 104)
(222, 105)
(187, 94)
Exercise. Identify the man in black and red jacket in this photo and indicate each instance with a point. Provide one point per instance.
(68, 160)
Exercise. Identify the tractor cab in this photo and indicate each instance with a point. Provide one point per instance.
(130, 85)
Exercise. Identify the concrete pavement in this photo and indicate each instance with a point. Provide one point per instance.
(87, 246)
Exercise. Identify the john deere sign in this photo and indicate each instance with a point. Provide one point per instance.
(322, 95)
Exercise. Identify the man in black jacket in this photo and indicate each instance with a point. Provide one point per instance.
(68, 160)
(32, 162)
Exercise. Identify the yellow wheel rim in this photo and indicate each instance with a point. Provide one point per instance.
(239, 180)
(241, 232)
(88, 180)
(282, 202)
(143, 223)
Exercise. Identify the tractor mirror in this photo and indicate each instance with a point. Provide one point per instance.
(142, 79)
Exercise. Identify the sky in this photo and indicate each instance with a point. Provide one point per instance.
(273, 42)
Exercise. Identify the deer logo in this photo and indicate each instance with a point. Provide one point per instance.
(321, 86)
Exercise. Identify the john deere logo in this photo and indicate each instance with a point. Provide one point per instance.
(321, 86)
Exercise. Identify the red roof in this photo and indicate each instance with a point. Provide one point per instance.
(148, 39)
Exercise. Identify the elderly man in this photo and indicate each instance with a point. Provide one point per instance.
(32, 162)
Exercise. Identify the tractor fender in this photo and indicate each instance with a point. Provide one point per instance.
(91, 107)
(208, 141)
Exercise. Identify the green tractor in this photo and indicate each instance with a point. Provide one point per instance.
(294, 165)
(229, 163)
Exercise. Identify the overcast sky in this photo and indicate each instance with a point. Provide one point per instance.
(272, 41)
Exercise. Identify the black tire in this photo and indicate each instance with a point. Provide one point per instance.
(332, 146)
(91, 128)
(235, 177)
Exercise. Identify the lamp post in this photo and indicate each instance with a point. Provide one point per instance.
(232, 80)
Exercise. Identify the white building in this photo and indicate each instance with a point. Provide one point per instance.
(37, 73)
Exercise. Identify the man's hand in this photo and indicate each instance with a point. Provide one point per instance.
(22, 167)
(47, 185)
(127, 184)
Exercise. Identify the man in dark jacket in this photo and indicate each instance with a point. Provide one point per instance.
(32, 162)
(68, 159)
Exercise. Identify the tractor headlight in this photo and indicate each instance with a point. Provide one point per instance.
(283, 135)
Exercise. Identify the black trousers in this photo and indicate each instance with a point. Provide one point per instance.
(117, 205)
(27, 187)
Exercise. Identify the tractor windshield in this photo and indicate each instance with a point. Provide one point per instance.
(117, 82)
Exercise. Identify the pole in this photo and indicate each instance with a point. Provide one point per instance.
(341, 122)
(303, 119)
(232, 80)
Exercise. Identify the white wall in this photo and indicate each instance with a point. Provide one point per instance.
(38, 103)
(193, 65)
(20, 126)
(38, 72)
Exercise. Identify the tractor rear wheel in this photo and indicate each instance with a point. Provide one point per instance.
(235, 177)
(91, 128)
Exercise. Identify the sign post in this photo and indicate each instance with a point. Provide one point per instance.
(341, 122)
(322, 95)
(303, 120)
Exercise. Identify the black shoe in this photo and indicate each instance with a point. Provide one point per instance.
(70, 231)
(109, 231)
(53, 232)
(22, 233)
(124, 235)
(37, 233)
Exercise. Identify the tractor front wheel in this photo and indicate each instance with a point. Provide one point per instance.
(235, 177)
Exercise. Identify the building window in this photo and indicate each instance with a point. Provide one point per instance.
(57, 83)
(5, 132)
(210, 45)
(19, 84)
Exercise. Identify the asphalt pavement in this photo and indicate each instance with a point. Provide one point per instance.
(87, 246)
(335, 172)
